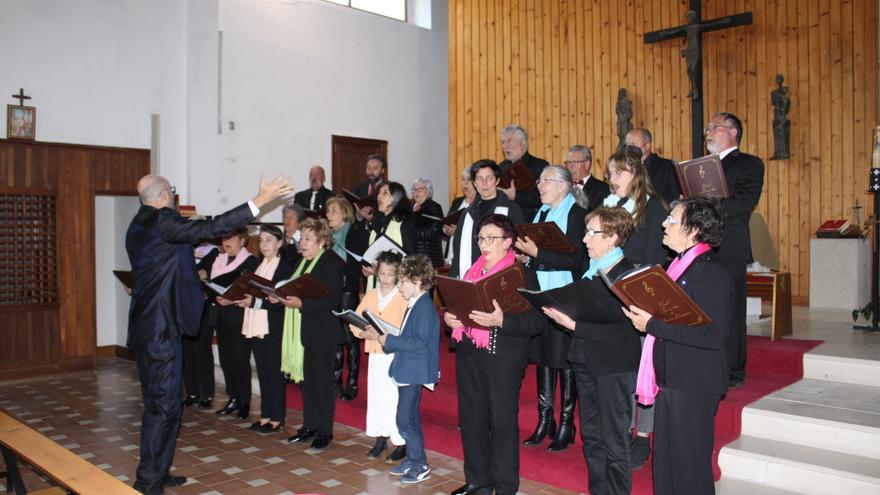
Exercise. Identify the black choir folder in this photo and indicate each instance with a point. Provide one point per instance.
(702, 176)
(365, 319)
(125, 277)
(382, 243)
(650, 288)
(357, 201)
(574, 300)
(462, 297)
(451, 219)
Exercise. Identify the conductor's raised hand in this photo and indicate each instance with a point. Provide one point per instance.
(271, 191)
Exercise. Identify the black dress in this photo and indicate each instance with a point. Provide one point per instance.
(429, 233)
(645, 245)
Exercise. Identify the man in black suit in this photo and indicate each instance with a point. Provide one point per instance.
(515, 145)
(316, 195)
(370, 188)
(167, 302)
(661, 170)
(579, 162)
(745, 179)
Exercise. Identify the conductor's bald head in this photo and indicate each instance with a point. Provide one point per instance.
(155, 191)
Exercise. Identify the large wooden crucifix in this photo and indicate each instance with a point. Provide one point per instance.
(693, 55)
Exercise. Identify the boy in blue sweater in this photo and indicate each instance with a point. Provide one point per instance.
(416, 362)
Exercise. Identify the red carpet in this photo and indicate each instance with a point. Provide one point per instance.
(771, 366)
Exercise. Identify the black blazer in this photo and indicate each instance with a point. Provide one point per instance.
(319, 326)
(429, 233)
(694, 359)
(477, 211)
(609, 343)
(529, 201)
(362, 188)
(745, 179)
(596, 191)
(356, 242)
(303, 198)
(167, 298)
(645, 244)
(663, 177)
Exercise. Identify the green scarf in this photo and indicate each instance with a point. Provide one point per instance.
(292, 350)
(339, 240)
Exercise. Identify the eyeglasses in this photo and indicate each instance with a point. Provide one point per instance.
(671, 220)
(711, 127)
(592, 233)
(487, 239)
(545, 181)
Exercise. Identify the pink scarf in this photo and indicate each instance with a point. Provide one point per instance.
(480, 336)
(222, 266)
(646, 383)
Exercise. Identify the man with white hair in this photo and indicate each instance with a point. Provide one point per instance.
(316, 195)
(515, 145)
(167, 302)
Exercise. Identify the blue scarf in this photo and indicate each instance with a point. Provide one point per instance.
(339, 240)
(559, 215)
(603, 263)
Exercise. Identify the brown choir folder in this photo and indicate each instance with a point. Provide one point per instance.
(462, 297)
(240, 288)
(125, 277)
(305, 286)
(546, 235)
(358, 201)
(519, 175)
(702, 176)
(451, 219)
(650, 288)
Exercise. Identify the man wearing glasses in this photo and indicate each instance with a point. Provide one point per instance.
(515, 145)
(661, 170)
(745, 179)
(579, 162)
(485, 175)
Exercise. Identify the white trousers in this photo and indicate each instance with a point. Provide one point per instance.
(382, 400)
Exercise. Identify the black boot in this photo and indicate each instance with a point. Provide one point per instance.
(565, 434)
(354, 367)
(337, 369)
(546, 425)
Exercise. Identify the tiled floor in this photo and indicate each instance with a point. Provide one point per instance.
(97, 416)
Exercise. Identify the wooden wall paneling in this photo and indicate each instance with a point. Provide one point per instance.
(491, 76)
(799, 89)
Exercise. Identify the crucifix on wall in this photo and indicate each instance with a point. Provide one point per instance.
(693, 55)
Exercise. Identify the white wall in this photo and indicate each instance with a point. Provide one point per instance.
(112, 215)
(296, 72)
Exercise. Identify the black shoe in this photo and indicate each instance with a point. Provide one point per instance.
(190, 400)
(206, 403)
(735, 383)
(546, 427)
(244, 411)
(471, 490)
(175, 481)
(268, 428)
(378, 448)
(256, 426)
(229, 408)
(396, 455)
(639, 450)
(349, 394)
(563, 438)
(321, 441)
(302, 435)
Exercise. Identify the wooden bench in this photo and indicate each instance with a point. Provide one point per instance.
(775, 288)
(70, 472)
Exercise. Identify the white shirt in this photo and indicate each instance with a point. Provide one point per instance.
(726, 152)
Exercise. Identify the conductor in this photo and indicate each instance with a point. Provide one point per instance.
(166, 302)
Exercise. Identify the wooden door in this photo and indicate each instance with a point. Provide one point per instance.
(350, 157)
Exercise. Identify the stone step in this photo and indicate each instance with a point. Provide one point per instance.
(835, 416)
(798, 468)
(841, 369)
(730, 486)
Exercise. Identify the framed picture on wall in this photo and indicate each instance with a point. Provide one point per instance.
(21, 122)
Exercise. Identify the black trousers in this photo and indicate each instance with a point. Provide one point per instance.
(235, 354)
(160, 365)
(198, 360)
(736, 337)
(606, 414)
(319, 399)
(488, 409)
(684, 431)
(350, 351)
(273, 387)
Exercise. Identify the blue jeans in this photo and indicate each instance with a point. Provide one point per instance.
(409, 424)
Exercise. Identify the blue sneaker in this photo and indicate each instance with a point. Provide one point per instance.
(401, 469)
(416, 475)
